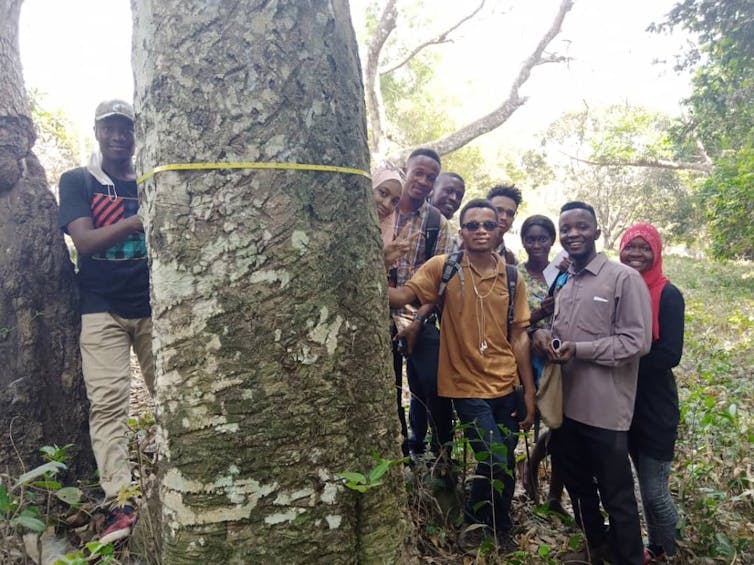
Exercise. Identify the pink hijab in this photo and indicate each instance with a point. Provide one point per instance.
(654, 277)
(387, 224)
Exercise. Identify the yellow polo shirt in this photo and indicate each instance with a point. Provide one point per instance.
(464, 371)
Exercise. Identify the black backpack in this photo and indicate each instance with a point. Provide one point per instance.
(453, 265)
(431, 230)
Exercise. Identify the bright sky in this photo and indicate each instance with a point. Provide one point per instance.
(78, 53)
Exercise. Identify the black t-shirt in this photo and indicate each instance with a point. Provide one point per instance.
(116, 279)
(654, 427)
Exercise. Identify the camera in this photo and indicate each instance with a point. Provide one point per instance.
(555, 343)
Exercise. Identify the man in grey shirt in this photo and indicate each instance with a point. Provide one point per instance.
(603, 321)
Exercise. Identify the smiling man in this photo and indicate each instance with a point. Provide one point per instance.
(99, 210)
(414, 216)
(603, 320)
(448, 193)
(480, 363)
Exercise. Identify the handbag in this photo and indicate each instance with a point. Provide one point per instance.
(550, 396)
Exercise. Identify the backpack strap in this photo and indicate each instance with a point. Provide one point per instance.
(431, 230)
(511, 274)
(451, 267)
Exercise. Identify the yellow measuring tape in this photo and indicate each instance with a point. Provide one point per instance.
(250, 165)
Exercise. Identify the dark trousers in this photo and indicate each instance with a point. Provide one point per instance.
(584, 453)
(493, 434)
(426, 408)
(398, 370)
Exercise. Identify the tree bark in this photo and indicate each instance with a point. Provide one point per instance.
(268, 292)
(44, 399)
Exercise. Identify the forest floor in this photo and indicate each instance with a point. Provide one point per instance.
(713, 474)
(712, 477)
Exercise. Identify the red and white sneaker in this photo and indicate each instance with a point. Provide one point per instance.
(118, 525)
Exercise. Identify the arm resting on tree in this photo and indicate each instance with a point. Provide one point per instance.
(399, 297)
(89, 240)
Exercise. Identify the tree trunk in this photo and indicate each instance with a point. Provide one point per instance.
(268, 292)
(43, 399)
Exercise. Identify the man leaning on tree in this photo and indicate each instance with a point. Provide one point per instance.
(99, 210)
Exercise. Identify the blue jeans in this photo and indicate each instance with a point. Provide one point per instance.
(493, 435)
(659, 509)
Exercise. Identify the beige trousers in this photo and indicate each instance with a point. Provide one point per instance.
(106, 341)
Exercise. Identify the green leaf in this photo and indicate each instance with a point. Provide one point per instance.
(4, 499)
(47, 485)
(69, 495)
(379, 470)
(52, 467)
(352, 477)
(29, 521)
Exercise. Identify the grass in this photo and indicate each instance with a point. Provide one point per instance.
(713, 478)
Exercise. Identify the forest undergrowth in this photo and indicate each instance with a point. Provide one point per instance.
(712, 476)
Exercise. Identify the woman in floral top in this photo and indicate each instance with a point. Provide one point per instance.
(538, 237)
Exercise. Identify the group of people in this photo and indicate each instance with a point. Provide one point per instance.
(475, 333)
(472, 330)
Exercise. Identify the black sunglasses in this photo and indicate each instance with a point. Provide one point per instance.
(474, 225)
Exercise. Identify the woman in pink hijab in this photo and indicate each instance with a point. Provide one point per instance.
(387, 187)
(654, 427)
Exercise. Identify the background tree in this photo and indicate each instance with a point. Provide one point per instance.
(268, 293)
(57, 143)
(391, 61)
(721, 114)
(593, 152)
(43, 400)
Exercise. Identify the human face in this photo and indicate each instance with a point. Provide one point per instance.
(447, 195)
(578, 235)
(482, 239)
(537, 243)
(386, 197)
(421, 172)
(115, 135)
(506, 211)
(637, 254)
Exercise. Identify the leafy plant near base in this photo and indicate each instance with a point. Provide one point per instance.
(95, 551)
(362, 482)
(23, 505)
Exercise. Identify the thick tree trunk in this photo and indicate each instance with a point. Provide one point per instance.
(43, 399)
(268, 292)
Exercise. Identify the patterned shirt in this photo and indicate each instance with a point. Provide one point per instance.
(407, 265)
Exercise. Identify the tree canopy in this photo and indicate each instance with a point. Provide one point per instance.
(721, 114)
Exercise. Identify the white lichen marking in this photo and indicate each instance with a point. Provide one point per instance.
(300, 241)
(324, 333)
(333, 521)
(283, 277)
(281, 517)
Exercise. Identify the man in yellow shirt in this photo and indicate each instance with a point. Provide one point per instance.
(479, 363)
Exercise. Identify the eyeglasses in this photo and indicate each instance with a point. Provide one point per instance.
(542, 239)
(474, 225)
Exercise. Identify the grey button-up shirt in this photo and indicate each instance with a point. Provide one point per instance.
(605, 309)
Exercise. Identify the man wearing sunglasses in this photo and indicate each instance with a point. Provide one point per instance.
(506, 199)
(480, 363)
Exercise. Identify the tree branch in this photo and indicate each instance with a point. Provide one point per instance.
(704, 167)
(373, 91)
(440, 38)
(514, 100)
